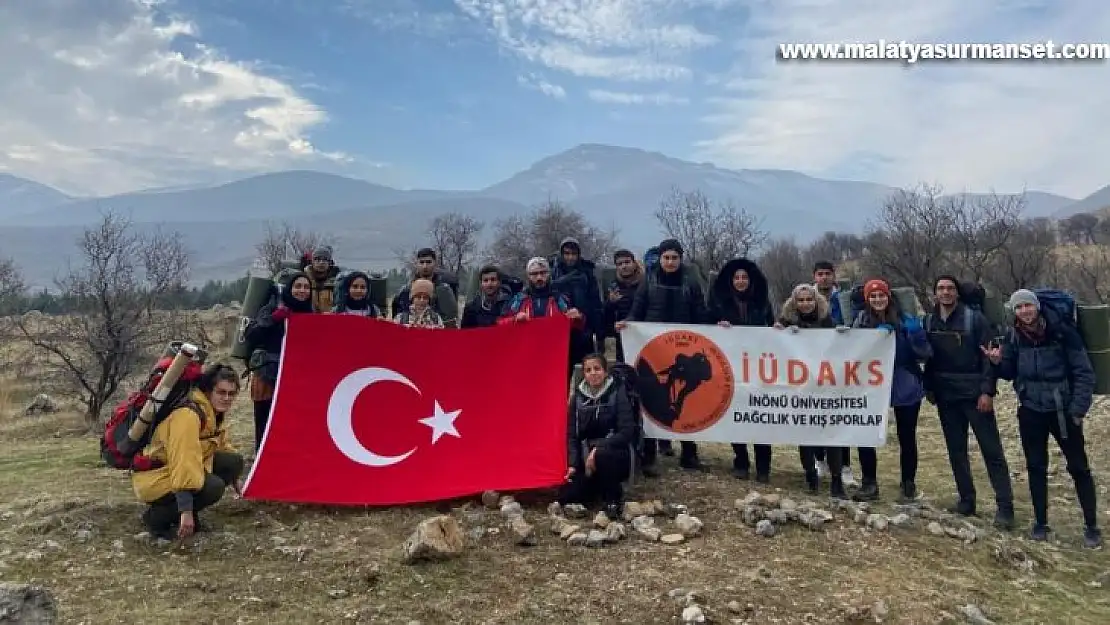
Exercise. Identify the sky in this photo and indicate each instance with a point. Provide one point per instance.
(108, 96)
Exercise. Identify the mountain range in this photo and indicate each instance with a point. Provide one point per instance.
(612, 186)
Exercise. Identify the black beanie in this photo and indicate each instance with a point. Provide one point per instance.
(622, 253)
(946, 276)
(671, 245)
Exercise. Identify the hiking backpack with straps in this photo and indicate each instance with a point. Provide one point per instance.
(625, 375)
(1060, 304)
(116, 447)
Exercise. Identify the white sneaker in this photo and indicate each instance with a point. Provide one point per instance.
(848, 477)
(822, 469)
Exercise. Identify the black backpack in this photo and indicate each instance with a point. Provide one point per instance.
(973, 295)
(625, 375)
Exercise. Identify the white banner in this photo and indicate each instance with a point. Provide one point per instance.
(762, 385)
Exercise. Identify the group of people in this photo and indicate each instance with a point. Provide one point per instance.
(950, 358)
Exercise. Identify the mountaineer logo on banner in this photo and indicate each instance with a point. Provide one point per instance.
(762, 385)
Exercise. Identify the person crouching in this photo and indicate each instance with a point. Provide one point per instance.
(601, 430)
(197, 461)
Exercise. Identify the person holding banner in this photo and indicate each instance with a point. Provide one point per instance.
(669, 293)
(601, 429)
(805, 309)
(265, 334)
(352, 296)
(740, 297)
(420, 313)
(540, 299)
(906, 392)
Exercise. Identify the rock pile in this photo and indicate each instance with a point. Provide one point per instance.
(767, 512)
(569, 524)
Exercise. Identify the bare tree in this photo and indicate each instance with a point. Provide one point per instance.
(836, 247)
(455, 240)
(1086, 272)
(11, 281)
(283, 240)
(517, 239)
(981, 227)
(1027, 259)
(115, 327)
(712, 234)
(906, 241)
(785, 266)
(1079, 229)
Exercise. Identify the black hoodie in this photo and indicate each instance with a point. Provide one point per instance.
(750, 308)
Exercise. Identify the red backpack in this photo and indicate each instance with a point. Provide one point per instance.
(117, 448)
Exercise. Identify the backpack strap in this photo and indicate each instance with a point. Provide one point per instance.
(929, 321)
(969, 319)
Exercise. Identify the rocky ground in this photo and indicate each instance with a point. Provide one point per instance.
(694, 548)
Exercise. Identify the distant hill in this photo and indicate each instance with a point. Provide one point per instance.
(612, 185)
(1093, 202)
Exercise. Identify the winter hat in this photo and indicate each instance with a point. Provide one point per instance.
(572, 244)
(422, 285)
(536, 264)
(622, 253)
(1023, 296)
(322, 253)
(875, 285)
(671, 245)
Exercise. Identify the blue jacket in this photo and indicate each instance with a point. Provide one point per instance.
(1052, 376)
(910, 346)
(834, 307)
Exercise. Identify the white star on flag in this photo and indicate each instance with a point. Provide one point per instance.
(442, 423)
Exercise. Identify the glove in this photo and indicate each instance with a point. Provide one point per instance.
(281, 313)
(842, 329)
(795, 329)
(885, 326)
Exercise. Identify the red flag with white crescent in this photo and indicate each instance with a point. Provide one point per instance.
(367, 412)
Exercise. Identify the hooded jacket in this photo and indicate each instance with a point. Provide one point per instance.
(910, 346)
(265, 335)
(752, 307)
(346, 305)
(819, 318)
(1052, 375)
(668, 298)
(579, 284)
(624, 292)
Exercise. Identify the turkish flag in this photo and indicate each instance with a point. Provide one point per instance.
(367, 412)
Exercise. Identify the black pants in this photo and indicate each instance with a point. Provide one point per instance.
(652, 446)
(905, 419)
(613, 467)
(955, 419)
(832, 455)
(261, 419)
(226, 469)
(740, 460)
(820, 454)
(1034, 429)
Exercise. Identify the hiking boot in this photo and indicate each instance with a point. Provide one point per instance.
(163, 532)
(692, 464)
(963, 507)
(836, 489)
(763, 478)
(813, 482)
(868, 491)
(1092, 538)
(1004, 519)
(741, 474)
(908, 492)
(614, 510)
(1039, 532)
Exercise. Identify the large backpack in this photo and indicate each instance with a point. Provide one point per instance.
(625, 375)
(973, 295)
(510, 284)
(117, 448)
(857, 303)
(1060, 304)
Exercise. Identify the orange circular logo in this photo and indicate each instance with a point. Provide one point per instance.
(685, 381)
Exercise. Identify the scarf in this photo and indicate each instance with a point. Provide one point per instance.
(589, 392)
(293, 304)
(1035, 331)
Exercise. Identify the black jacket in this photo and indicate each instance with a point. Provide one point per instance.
(958, 370)
(618, 309)
(579, 284)
(481, 314)
(606, 421)
(754, 310)
(1054, 375)
(669, 298)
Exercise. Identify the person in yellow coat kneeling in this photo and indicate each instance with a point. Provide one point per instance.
(194, 460)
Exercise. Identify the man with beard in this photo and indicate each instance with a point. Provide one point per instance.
(961, 381)
(574, 277)
(539, 299)
(322, 274)
(486, 308)
(670, 293)
(620, 293)
(444, 302)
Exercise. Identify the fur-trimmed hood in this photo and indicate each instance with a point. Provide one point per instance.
(790, 309)
(722, 285)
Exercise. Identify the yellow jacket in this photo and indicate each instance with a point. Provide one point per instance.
(187, 446)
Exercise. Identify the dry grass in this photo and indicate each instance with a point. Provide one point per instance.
(69, 523)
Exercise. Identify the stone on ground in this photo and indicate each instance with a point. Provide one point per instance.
(27, 604)
(437, 538)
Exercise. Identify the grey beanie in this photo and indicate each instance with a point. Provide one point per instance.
(1023, 296)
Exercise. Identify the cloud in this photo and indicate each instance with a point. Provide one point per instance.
(617, 97)
(967, 124)
(402, 15)
(627, 40)
(115, 95)
(532, 81)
